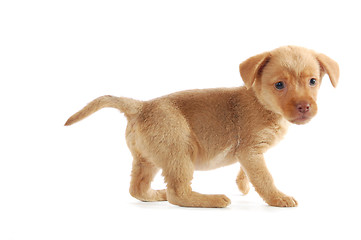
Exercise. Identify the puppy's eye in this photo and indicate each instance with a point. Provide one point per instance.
(313, 82)
(280, 85)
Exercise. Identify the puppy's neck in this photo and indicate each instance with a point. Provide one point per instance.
(267, 127)
(263, 112)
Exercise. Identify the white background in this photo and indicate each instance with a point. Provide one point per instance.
(72, 182)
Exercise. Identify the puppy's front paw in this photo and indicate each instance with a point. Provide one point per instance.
(282, 200)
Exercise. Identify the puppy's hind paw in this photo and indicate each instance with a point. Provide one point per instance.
(223, 201)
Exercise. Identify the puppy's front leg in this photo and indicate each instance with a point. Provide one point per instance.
(242, 182)
(259, 176)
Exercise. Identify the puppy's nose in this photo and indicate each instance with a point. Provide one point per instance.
(303, 107)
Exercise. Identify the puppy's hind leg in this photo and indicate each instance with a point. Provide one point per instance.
(143, 173)
(179, 192)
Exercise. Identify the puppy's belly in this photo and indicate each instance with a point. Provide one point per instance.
(222, 159)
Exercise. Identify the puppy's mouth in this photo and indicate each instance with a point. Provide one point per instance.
(301, 113)
(300, 120)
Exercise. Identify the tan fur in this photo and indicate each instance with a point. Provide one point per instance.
(207, 129)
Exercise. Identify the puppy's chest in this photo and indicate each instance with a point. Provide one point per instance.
(262, 140)
(270, 135)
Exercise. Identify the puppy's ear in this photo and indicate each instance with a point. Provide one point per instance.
(330, 67)
(252, 68)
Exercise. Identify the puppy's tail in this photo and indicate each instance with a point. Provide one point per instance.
(126, 105)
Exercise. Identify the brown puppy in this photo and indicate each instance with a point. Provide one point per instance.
(207, 129)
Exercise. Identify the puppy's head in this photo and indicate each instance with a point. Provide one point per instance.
(286, 80)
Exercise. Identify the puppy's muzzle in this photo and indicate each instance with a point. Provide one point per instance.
(304, 111)
(303, 107)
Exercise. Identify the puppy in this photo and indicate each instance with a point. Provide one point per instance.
(206, 129)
